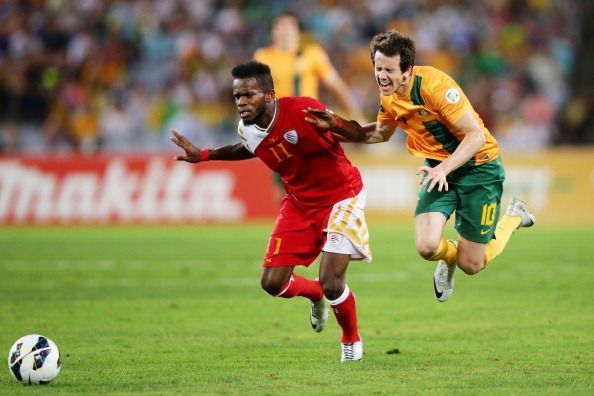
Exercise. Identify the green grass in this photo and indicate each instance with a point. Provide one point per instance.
(178, 310)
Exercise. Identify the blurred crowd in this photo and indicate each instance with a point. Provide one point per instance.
(97, 75)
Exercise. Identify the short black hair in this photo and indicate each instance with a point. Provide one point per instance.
(392, 43)
(260, 71)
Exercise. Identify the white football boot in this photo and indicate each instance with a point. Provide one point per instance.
(351, 351)
(443, 280)
(517, 207)
(318, 315)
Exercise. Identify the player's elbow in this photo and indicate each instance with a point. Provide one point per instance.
(482, 139)
(479, 138)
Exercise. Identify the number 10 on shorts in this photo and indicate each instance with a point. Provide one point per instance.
(488, 216)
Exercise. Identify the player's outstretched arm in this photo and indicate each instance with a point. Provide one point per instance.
(232, 152)
(352, 131)
(328, 121)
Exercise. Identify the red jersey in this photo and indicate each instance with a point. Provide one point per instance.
(311, 163)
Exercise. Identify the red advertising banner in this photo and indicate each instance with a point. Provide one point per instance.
(144, 188)
(131, 189)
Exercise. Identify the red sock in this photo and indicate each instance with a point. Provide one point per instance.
(300, 286)
(346, 315)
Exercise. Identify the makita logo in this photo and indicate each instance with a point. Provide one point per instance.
(159, 191)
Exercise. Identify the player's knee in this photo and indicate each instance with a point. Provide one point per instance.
(471, 266)
(427, 249)
(332, 288)
(271, 286)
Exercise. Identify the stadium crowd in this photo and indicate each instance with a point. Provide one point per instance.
(95, 75)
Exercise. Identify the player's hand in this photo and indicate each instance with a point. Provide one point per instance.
(433, 176)
(192, 152)
(322, 119)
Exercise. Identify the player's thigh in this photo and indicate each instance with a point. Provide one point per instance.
(471, 255)
(428, 231)
(479, 192)
(432, 212)
(333, 266)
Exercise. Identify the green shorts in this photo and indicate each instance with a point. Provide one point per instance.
(474, 194)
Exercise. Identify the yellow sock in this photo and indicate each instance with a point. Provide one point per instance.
(446, 251)
(505, 227)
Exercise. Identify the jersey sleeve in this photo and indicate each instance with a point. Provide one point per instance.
(446, 98)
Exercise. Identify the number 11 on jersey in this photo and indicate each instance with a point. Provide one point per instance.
(280, 152)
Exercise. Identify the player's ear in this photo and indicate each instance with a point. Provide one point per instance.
(270, 95)
(407, 72)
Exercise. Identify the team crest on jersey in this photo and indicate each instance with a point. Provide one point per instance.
(291, 137)
(452, 95)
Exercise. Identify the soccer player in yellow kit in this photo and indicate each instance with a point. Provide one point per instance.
(299, 67)
(462, 172)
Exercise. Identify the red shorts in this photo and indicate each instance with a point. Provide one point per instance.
(298, 235)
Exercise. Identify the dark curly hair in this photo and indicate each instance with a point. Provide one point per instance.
(392, 43)
(260, 71)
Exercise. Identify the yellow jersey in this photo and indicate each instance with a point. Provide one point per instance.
(427, 111)
(296, 73)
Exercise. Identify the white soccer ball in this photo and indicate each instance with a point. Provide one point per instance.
(34, 359)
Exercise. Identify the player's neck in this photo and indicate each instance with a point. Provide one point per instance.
(291, 46)
(266, 118)
(403, 87)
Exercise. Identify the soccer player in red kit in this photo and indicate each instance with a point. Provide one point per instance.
(323, 210)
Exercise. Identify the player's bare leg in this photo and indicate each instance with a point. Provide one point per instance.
(432, 246)
(471, 256)
(428, 233)
(333, 280)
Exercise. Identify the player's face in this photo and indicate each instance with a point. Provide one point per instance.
(390, 79)
(250, 99)
(285, 32)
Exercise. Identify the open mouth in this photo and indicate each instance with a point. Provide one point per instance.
(385, 85)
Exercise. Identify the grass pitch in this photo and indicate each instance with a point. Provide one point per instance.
(178, 310)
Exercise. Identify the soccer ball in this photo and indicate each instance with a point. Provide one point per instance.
(34, 359)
